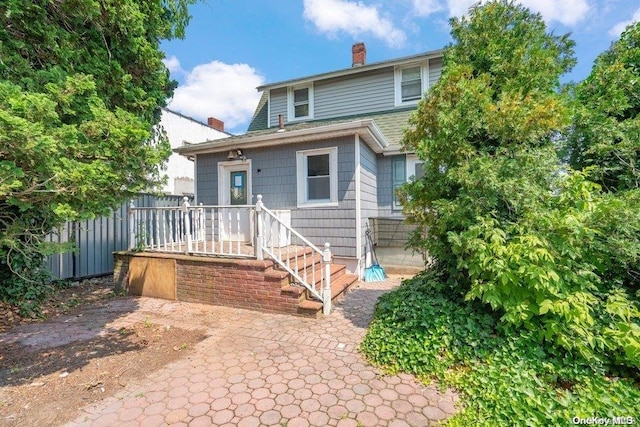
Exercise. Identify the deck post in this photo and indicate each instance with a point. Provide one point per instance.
(187, 225)
(260, 221)
(326, 290)
(132, 225)
(202, 224)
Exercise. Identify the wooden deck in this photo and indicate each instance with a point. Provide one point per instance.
(226, 249)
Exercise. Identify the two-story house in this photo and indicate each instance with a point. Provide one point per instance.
(326, 149)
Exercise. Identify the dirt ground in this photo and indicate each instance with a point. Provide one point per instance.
(45, 383)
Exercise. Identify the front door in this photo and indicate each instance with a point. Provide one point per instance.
(234, 188)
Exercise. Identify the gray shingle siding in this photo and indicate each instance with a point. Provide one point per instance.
(364, 93)
(207, 177)
(368, 189)
(361, 94)
(276, 181)
(278, 106)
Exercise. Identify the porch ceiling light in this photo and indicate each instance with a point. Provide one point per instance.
(235, 154)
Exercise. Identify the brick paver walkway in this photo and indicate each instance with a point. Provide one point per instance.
(258, 369)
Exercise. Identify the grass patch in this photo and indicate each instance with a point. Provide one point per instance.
(504, 377)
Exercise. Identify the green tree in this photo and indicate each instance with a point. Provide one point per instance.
(505, 221)
(81, 83)
(485, 129)
(604, 142)
(606, 126)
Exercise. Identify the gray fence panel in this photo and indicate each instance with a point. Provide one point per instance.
(61, 265)
(97, 239)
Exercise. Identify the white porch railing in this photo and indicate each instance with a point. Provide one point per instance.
(223, 230)
(241, 231)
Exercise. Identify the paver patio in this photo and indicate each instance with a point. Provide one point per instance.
(257, 369)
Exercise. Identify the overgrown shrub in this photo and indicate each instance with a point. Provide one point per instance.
(505, 377)
(506, 221)
(546, 273)
(25, 281)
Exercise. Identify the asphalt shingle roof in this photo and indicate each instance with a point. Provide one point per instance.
(391, 123)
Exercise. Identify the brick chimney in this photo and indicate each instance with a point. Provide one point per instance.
(216, 124)
(358, 54)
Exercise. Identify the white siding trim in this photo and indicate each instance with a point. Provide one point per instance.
(195, 180)
(291, 116)
(358, 208)
(223, 181)
(301, 183)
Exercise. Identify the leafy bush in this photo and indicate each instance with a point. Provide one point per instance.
(25, 283)
(504, 377)
(545, 272)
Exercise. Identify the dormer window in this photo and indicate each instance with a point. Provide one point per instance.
(300, 103)
(411, 83)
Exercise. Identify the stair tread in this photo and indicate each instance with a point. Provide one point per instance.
(310, 305)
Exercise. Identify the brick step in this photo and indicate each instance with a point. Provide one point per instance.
(337, 270)
(313, 308)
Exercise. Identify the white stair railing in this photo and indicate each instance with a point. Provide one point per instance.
(305, 262)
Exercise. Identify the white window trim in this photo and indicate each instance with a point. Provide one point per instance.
(301, 166)
(290, 107)
(410, 162)
(424, 80)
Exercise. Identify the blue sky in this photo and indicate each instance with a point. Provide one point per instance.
(233, 46)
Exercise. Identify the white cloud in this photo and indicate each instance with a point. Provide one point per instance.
(567, 12)
(353, 18)
(173, 65)
(216, 89)
(459, 7)
(426, 7)
(617, 29)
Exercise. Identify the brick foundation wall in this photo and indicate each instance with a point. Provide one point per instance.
(121, 271)
(241, 283)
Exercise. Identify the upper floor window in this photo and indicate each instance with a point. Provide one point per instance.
(300, 103)
(411, 83)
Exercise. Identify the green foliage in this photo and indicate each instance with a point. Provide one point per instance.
(544, 273)
(504, 220)
(606, 127)
(80, 86)
(26, 282)
(417, 326)
(487, 125)
(504, 377)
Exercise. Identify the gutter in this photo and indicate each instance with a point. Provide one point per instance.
(366, 128)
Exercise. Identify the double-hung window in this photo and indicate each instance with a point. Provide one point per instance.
(317, 177)
(410, 83)
(300, 103)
